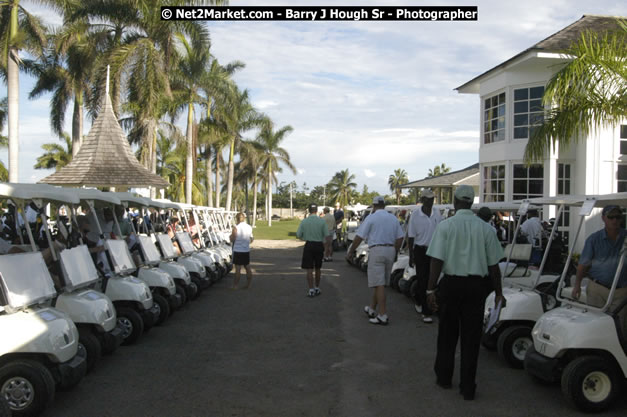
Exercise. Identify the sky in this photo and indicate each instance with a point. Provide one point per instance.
(367, 96)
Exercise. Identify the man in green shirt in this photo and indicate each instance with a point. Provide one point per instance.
(313, 230)
(467, 250)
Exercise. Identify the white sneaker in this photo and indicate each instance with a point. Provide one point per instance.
(427, 319)
(317, 291)
(311, 293)
(418, 308)
(383, 320)
(370, 312)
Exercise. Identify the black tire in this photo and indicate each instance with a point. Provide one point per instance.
(591, 383)
(198, 283)
(488, 341)
(395, 277)
(413, 289)
(408, 285)
(402, 283)
(513, 343)
(181, 291)
(164, 307)
(32, 383)
(132, 324)
(92, 346)
(5, 411)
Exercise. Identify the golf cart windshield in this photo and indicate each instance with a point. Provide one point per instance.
(24, 280)
(185, 242)
(121, 257)
(78, 268)
(167, 248)
(149, 250)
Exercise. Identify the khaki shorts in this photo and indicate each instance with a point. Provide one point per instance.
(380, 261)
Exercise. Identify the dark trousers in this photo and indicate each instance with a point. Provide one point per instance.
(422, 262)
(461, 304)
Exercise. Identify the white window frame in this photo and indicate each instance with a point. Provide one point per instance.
(494, 196)
(539, 112)
(527, 179)
(487, 118)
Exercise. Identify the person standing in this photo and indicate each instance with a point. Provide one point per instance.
(313, 230)
(467, 250)
(242, 237)
(384, 236)
(328, 243)
(532, 230)
(422, 224)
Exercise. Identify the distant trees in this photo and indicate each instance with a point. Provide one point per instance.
(396, 180)
(342, 186)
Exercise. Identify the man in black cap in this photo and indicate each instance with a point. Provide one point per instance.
(313, 230)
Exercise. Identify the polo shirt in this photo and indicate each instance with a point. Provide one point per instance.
(242, 237)
(421, 226)
(312, 229)
(602, 255)
(380, 228)
(532, 228)
(466, 244)
(330, 220)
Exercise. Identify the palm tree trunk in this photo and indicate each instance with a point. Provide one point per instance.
(189, 163)
(209, 181)
(13, 110)
(153, 190)
(217, 180)
(229, 183)
(254, 201)
(270, 194)
(77, 123)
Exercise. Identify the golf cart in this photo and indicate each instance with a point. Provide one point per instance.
(581, 345)
(509, 329)
(132, 298)
(73, 275)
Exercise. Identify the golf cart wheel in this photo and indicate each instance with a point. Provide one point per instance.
(513, 343)
(181, 291)
(92, 346)
(131, 323)
(5, 411)
(27, 386)
(413, 289)
(591, 383)
(395, 277)
(408, 284)
(164, 307)
(193, 293)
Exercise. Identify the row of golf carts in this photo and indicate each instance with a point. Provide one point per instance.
(64, 304)
(542, 328)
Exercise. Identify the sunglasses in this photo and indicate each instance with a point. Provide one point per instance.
(617, 217)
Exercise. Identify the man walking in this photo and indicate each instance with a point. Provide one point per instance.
(422, 224)
(384, 236)
(313, 230)
(328, 242)
(466, 249)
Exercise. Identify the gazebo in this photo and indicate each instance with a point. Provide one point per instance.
(446, 184)
(105, 159)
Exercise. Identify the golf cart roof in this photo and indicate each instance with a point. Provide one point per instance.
(616, 199)
(44, 192)
(601, 200)
(97, 196)
(501, 205)
(130, 198)
(568, 200)
(166, 203)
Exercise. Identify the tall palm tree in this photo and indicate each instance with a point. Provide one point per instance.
(56, 156)
(273, 156)
(251, 158)
(588, 93)
(4, 141)
(342, 186)
(438, 170)
(396, 180)
(19, 30)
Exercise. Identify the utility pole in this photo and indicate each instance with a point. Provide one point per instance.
(291, 210)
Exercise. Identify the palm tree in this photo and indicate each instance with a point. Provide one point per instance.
(274, 154)
(4, 141)
(588, 93)
(342, 186)
(55, 156)
(251, 158)
(18, 30)
(396, 180)
(438, 170)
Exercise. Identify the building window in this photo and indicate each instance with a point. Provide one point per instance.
(623, 139)
(563, 179)
(528, 111)
(494, 119)
(621, 178)
(494, 183)
(528, 181)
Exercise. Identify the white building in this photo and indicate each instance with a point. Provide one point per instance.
(511, 103)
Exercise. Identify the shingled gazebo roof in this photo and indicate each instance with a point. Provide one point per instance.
(105, 159)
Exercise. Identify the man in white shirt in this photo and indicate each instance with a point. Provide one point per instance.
(532, 230)
(384, 235)
(241, 237)
(422, 224)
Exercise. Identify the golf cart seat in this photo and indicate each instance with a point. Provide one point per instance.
(567, 292)
(519, 258)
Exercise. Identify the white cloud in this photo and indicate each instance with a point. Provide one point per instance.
(301, 171)
(369, 173)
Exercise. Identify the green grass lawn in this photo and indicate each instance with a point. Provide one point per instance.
(280, 230)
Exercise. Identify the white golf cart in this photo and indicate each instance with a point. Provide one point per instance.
(528, 295)
(39, 347)
(91, 311)
(582, 345)
(136, 312)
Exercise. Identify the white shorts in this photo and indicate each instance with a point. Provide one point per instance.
(380, 261)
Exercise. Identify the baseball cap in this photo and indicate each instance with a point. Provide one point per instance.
(378, 200)
(465, 193)
(427, 193)
(608, 209)
(313, 207)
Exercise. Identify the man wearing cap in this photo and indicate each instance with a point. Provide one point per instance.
(599, 260)
(467, 250)
(313, 230)
(422, 224)
(384, 236)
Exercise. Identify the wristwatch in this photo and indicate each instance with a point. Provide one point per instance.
(429, 292)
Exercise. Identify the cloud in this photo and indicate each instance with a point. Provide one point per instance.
(369, 173)
(301, 171)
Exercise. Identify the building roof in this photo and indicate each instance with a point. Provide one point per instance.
(468, 176)
(559, 41)
(105, 159)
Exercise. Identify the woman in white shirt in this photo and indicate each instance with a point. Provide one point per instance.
(242, 236)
